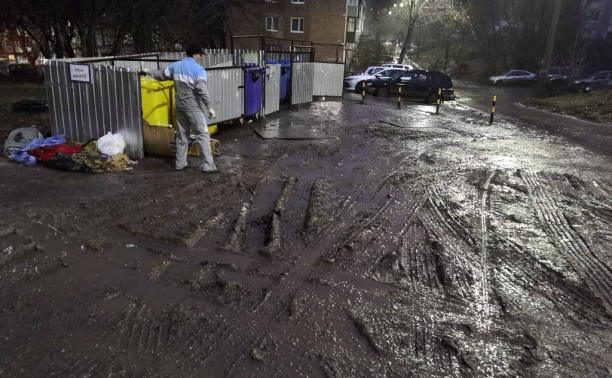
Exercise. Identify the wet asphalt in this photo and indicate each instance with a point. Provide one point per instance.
(592, 136)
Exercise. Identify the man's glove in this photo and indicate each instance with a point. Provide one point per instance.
(212, 113)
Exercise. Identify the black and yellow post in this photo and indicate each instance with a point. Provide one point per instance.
(438, 100)
(493, 109)
(363, 92)
(399, 98)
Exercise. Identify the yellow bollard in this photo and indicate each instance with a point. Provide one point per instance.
(363, 92)
(399, 98)
(438, 100)
(493, 109)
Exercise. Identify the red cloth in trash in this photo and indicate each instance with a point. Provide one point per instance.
(47, 152)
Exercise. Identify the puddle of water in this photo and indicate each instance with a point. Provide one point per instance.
(277, 129)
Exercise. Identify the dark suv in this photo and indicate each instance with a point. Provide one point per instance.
(422, 84)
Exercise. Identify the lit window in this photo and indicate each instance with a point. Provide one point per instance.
(272, 24)
(352, 2)
(297, 24)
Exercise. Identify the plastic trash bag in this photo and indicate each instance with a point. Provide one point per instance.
(22, 156)
(20, 138)
(111, 144)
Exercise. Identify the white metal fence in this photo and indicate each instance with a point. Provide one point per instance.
(302, 80)
(272, 90)
(226, 91)
(328, 79)
(110, 100)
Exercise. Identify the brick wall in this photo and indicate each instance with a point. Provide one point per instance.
(324, 25)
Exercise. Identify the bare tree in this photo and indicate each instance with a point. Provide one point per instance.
(407, 13)
(57, 27)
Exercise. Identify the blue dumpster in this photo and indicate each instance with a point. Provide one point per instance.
(285, 78)
(253, 79)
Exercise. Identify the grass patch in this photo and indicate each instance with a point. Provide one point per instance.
(12, 92)
(594, 106)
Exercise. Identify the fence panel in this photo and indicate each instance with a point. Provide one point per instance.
(272, 91)
(110, 102)
(302, 80)
(226, 87)
(328, 79)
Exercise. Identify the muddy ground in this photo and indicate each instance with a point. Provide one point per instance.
(399, 244)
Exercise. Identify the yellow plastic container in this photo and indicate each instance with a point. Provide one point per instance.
(159, 117)
(157, 102)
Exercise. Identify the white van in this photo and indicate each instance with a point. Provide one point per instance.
(397, 65)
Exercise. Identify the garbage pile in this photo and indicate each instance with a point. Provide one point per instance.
(27, 146)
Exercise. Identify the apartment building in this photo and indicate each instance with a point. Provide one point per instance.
(597, 24)
(331, 27)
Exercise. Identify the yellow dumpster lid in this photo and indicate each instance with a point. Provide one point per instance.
(155, 85)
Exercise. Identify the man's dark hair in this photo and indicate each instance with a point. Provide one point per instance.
(193, 49)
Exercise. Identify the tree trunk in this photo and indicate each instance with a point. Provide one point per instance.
(407, 43)
(446, 56)
(30, 56)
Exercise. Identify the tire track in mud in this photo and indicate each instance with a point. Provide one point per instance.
(227, 346)
(517, 269)
(57, 351)
(595, 273)
(483, 291)
(272, 236)
(594, 197)
(458, 257)
(384, 232)
(263, 229)
(294, 224)
(388, 236)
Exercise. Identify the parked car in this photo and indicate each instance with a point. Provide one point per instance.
(558, 77)
(355, 82)
(422, 84)
(597, 80)
(397, 65)
(371, 70)
(514, 77)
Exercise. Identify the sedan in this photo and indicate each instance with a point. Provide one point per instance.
(514, 77)
(598, 80)
(355, 82)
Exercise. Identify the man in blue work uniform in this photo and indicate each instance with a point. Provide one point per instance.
(191, 97)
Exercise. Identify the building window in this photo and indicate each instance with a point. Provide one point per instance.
(272, 24)
(352, 2)
(297, 24)
(351, 24)
(298, 1)
(593, 16)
